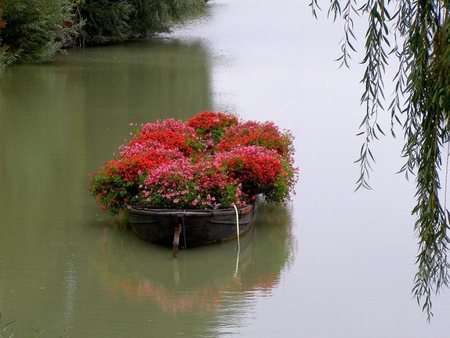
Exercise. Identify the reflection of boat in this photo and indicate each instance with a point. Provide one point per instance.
(190, 227)
(201, 281)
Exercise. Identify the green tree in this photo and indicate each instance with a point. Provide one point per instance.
(417, 32)
(112, 21)
(35, 30)
(2, 49)
(2, 24)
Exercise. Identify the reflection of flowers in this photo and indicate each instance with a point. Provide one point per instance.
(212, 159)
(205, 298)
(202, 282)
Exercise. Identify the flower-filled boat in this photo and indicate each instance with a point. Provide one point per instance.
(193, 182)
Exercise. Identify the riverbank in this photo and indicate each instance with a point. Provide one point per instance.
(34, 31)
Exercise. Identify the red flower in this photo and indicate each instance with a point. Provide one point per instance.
(212, 158)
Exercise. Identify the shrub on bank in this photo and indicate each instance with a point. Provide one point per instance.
(109, 21)
(35, 30)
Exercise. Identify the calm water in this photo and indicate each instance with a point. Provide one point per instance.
(333, 263)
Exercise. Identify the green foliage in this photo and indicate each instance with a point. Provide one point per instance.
(2, 24)
(278, 194)
(106, 21)
(35, 30)
(419, 32)
(6, 58)
(112, 21)
(111, 189)
(2, 49)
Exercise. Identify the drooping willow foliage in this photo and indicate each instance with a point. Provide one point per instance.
(417, 32)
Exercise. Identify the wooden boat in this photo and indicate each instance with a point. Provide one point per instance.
(190, 227)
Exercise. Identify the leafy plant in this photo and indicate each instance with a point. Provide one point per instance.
(112, 21)
(36, 30)
(2, 49)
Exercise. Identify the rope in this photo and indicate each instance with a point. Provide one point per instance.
(237, 226)
(239, 244)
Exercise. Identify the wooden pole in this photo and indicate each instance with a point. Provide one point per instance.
(176, 238)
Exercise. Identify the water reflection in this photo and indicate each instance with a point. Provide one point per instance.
(66, 262)
(270, 62)
(58, 122)
(217, 281)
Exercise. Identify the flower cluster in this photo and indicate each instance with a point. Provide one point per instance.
(184, 184)
(265, 134)
(252, 165)
(211, 126)
(210, 160)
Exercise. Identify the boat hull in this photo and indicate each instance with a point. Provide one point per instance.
(195, 227)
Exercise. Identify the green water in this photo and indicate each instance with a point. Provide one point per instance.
(332, 263)
(71, 270)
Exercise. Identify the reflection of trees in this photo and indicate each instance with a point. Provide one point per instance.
(58, 122)
(42, 170)
(203, 279)
(147, 80)
(61, 119)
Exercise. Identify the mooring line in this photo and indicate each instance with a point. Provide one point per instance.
(237, 226)
(238, 239)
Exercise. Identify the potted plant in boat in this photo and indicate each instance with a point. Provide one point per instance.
(198, 178)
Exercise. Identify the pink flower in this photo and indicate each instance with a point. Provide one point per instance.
(166, 163)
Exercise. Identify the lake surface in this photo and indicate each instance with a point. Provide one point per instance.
(333, 263)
